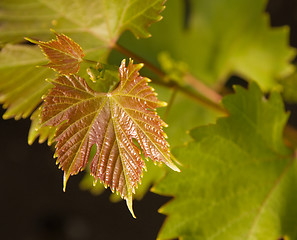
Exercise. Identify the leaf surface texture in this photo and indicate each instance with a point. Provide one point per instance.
(96, 25)
(238, 179)
(64, 54)
(111, 120)
(21, 83)
(220, 38)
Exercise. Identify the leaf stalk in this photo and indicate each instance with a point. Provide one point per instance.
(203, 94)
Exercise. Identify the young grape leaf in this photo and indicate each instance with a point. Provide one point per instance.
(220, 38)
(152, 175)
(96, 25)
(193, 115)
(239, 180)
(65, 54)
(110, 120)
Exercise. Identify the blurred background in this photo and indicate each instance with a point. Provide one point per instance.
(33, 205)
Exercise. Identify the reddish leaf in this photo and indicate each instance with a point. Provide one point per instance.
(111, 121)
(65, 54)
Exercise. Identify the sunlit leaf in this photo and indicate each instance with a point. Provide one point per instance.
(65, 54)
(193, 115)
(36, 130)
(111, 121)
(95, 25)
(20, 89)
(152, 175)
(219, 38)
(103, 20)
(238, 179)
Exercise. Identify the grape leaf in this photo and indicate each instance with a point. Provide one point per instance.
(238, 180)
(20, 89)
(37, 130)
(96, 25)
(110, 120)
(193, 115)
(220, 38)
(103, 19)
(152, 175)
(65, 54)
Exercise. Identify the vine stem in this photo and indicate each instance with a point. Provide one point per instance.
(202, 88)
(170, 103)
(204, 95)
(150, 66)
(90, 61)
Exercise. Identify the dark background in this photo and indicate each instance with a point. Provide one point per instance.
(33, 206)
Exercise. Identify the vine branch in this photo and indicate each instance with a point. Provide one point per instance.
(204, 95)
(170, 103)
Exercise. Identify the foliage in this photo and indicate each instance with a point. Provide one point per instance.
(96, 25)
(22, 60)
(65, 55)
(110, 120)
(230, 35)
(245, 188)
(238, 168)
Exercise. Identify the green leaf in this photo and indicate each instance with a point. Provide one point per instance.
(103, 78)
(37, 130)
(95, 25)
(184, 114)
(110, 120)
(103, 20)
(21, 83)
(222, 37)
(238, 180)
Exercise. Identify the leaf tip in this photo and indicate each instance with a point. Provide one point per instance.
(5, 116)
(129, 203)
(123, 63)
(175, 168)
(27, 39)
(170, 163)
(165, 135)
(65, 179)
(30, 141)
(161, 210)
(31, 40)
(94, 182)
